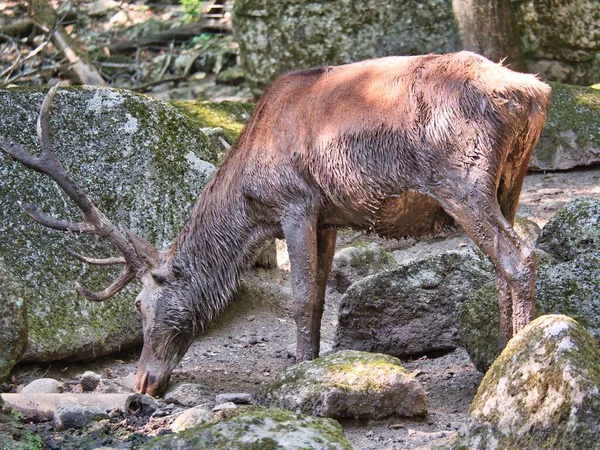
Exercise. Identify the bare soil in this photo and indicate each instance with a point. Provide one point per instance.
(250, 342)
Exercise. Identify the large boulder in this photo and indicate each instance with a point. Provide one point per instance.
(568, 281)
(258, 428)
(141, 160)
(13, 321)
(347, 384)
(542, 392)
(415, 308)
(571, 136)
(279, 36)
(561, 40)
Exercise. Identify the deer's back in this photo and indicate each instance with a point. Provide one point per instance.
(373, 141)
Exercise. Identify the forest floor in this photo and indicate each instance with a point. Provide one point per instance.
(250, 343)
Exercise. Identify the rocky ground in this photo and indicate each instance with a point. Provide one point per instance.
(254, 339)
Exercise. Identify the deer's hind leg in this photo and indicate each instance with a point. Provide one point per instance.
(479, 213)
(311, 252)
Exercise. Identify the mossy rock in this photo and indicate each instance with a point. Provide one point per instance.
(541, 393)
(571, 136)
(413, 309)
(13, 321)
(347, 384)
(258, 429)
(283, 35)
(141, 160)
(561, 40)
(573, 230)
(14, 435)
(353, 263)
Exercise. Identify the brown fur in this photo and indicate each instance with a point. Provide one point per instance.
(400, 146)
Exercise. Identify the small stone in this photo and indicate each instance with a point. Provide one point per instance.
(188, 394)
(237, 398)
(110, 387)
(128, 382)
(43, 386)
(89, 381)
(141, 404)
(191, 417)
(77, 416)
(228, 405)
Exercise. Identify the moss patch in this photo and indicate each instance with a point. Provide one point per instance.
(259, 429)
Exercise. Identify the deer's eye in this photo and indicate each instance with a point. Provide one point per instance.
(138, 305)
(159, 278)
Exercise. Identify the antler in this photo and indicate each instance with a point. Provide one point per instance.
(95, 222)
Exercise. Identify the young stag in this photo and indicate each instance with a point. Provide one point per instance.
(399, 146)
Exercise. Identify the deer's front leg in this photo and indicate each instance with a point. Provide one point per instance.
(301, 236)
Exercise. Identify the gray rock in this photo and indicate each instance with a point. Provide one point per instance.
(352, 264)
(325, 348)
(413, 309)
(191, 418)
(129, 381)
(107, 386)
(573, 230)
(347, 384)
(542, 392)
(258, 428)
(141, 404)
(237, 398)
(224, 406)
(304, 35)
(77, 416)
(89, 381)
(189, 394)
(13, 321)
(570, 137)
(141, 160)
(561, 39)
(43, 386)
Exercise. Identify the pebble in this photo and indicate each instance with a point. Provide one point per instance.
(77, 416)
(191, 417)
(188, 394)
(141, 404)
(237, 398)
(222, 406)
(89, 381)
(43, 386)
(128, 382)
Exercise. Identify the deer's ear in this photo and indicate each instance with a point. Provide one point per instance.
(144, 249)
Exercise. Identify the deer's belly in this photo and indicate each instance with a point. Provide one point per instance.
(409, 214)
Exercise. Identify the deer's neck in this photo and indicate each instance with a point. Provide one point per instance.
(216, 244)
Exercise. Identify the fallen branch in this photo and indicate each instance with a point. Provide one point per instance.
(44, 16)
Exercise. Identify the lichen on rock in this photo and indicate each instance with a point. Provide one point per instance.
(137, 158)
(258, 428)
(541, 393)
(13, 321)
(347, 384)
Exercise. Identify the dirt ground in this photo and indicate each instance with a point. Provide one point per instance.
(250, 342)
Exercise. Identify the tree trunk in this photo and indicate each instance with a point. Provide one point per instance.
(488, 27)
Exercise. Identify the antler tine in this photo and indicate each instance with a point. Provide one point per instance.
(126, 276)
(95, 222)
(97, 261)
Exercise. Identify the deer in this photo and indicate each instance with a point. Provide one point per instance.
(399, 146)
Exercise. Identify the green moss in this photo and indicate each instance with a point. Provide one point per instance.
(575, 108)
(15, 436)
(230, 116)
(255, 428)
